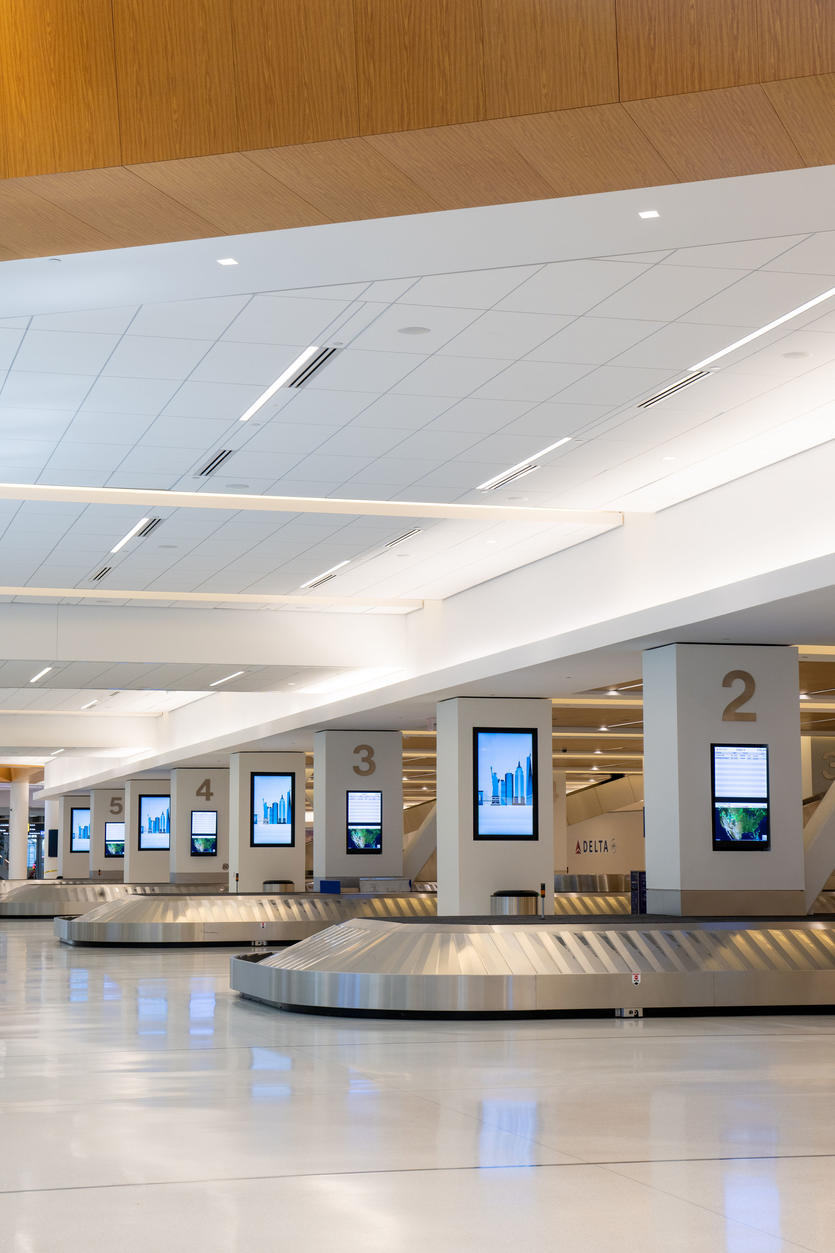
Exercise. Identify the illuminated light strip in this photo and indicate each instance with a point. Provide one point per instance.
(747, 339)
(292, 369)
(326, 574)
(237, 674)
(40, 674)
(133, 531)
(521, 468)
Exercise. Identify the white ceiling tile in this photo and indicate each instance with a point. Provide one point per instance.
(96, 321)
(387, 289)
(757, 298)
(81, 476)
(449, 376)
(356, 371)
(136, 395)
(26, 452)
(154, 357)
(87, 456)
(107, 428)
(615, 385)
(68, 352)
(479, 289)
(747, 254)
(437, 324)
(320, 468)
(407, 413)
(16, 423)
(532, 380)
(26, 389)
(149, 457)
(815, 255)
(594, 340)
(807, 350)
(266, 466)
(551, 421)
(322, 407)
(666, 292)
(282, 320)
(482, 417)
(199, 434)
(259, 364)
(189, 319)
(288, 437)
(394, 471)
(143, 479)
(15, 324)
(366, 441)
(344, 292)
(211, 400)
(504, 335)
(437, 444)
(9, 344)
(572, 286)
(679, 345)
(504, 450)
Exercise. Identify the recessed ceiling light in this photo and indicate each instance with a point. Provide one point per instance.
(226, 261)
(604, 728)
(40, 674)
(649, 213)
(521, 468)
(491, 541)
(413, 330)
(595, 767)
(235, 675)
(669, 458)
(598, 750)
(795, 356)
(770, 326)
(283, 378)
(57, 751)
(326, 574)
(613, 691)
(133, 531)
(90, 704)
(804, 695)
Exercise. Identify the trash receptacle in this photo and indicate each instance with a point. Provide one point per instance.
(514, 901)
(278, 885)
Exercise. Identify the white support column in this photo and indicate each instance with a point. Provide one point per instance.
(560, 823)
(470, 869)
(74, 856)
(51, 822)
(107, 812)
(149, 864)
(18, 827)
(363, 763)
(250, 858)
(696, 696)
(199, 803)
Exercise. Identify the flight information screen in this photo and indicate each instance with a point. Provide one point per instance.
(739, 774)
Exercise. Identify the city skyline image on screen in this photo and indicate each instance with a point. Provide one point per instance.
(272, 810)
(154, 822)
(505, 784)
(80, 831)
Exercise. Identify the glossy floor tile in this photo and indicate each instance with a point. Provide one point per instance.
(143, 1103)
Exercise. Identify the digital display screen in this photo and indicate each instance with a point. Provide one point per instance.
(739, 774)
(154, 823)
(505, 784)
(365, 822)
(79, 830)
(271, 811)
(114, 839)
(204, 833)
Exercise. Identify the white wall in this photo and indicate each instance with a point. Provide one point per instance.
(184, 867)
(106, 805)
(607, 844)
(356, 761)
(469, 870)
(256, 865)
(71, 865)
(151, 865)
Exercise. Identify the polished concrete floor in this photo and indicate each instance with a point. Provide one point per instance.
(144, 1107)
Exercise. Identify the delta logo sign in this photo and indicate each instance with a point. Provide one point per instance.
(596, 846)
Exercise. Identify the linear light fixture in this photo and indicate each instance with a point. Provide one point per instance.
(237, 674)
(40, 674)
(520, 469)
(325, 575)
(649, 213)
(291, 370)
(133, 531)
(747, 339)
(57, 751)
(90, 704)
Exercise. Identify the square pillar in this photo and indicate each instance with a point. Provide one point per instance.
(107, 820)
(73, 851)
(368, 767)
(697, 696)
(251, 857)
(199, 804)
(151, 863)
(470, 869)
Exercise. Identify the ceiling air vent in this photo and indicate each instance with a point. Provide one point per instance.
(325, 578)
(502, 480)
(216, 462)
(100, 574)
(150, 525)
(416, 530)
(311, 367)
(675, 387)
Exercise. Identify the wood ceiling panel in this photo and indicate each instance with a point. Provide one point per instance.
(463, 166)
(806, 107)
(233, 193)
(295, 70)
(347, 180)
(549, 54)
(797, 37)
(175, 73)
(717, 134)
(581, 151)
(419, 63)
(29, 222)
(58, 107)
(671, 46)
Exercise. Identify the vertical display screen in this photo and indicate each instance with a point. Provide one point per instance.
(204, 833)
(739, 774)
(154, 823)
(114, 839)
(271, 811)
(505, 784)
(365, 822)
(79, 830)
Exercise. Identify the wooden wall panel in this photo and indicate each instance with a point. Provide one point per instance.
(419, 63)
(548, 54)
(34, 227)
(717, 134)
(58, 107)
(296, 71)
(797, 37)
(175, 70)
(806, 107)
(667, 47)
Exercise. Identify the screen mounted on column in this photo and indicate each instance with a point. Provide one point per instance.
(271, 810)
(740, 814)
(365, 822)
(154, 823)
(204, 833)
(114, 839)
(505, 784)
(80, 830)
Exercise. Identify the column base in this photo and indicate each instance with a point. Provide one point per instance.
(689, 903)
